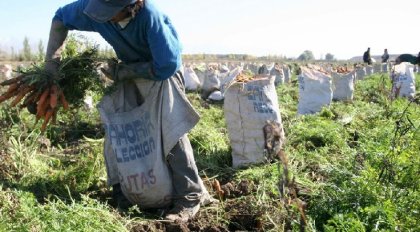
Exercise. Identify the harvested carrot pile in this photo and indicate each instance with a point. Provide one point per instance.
(343, 69)
(244, 78)
(45, 94)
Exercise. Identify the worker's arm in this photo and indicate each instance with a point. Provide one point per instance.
(58, 34)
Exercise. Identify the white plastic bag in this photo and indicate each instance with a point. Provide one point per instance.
(315, 91)
(377, 68)
(360, 73)
(247, 108)
(343, 86)
(384, 67)
(278, 73)
(211, 83)
(225, 80)
(191, 79)
(403, 80)
(369, 70)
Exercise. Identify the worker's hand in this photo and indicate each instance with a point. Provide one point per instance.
(51, 66)
(110, 69)
(120, 71)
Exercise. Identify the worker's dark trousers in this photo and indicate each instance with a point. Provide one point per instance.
(185, 178)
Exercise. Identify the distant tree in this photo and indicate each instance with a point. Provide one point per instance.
(26, 52)
(306, 56)
(329, 57)
(41, 53)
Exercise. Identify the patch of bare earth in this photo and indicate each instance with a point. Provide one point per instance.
(235, 212)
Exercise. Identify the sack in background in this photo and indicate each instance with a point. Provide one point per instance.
(191, 79)
(343, 86)
(403, 80)
(360, 73)
(247, 108)
(315, 90)
(211, 83)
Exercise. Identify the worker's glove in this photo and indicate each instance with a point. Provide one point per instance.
(120, 71)
(51, 67)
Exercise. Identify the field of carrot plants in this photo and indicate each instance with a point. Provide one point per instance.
(354, 166)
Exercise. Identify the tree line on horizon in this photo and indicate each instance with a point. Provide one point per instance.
(27, 53)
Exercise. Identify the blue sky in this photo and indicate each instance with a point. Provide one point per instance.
(265, 27)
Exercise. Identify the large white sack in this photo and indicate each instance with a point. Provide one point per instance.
(216, 96)
(200, 71)
(191, 79)
(360, 73)
(287, 73)
(247, 107)
(403, 80)
(211, 82)
(315, 91)
(143, 121)
(377, 68)
(385, 68)
(134, 139)
(278, 73)
(369, 70)
(226, 79)
(343, 86)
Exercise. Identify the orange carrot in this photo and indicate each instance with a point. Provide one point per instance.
(41, 109)
(47, 118)
(6, 96)
(21, 94)
(13, 87)
(63, 100)
(44, 95)
(42, 100)
(30, 98)
(17, 99)
(53, 96)
(54, 116)
(11, 81)
(218, 189)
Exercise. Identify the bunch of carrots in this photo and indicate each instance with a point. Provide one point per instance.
(46, 96)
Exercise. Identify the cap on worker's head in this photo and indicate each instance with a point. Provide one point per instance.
(104, 10)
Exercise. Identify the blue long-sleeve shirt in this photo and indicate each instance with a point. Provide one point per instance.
(149, 37)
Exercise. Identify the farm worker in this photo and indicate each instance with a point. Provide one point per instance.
(146, 41)
(263, 69)
(385, 56)
(366, 57)
(408, 58)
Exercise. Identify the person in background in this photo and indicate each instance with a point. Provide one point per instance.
(385, 56)
(366, 57)
(408, 58)
(147, 46)
(263, 69)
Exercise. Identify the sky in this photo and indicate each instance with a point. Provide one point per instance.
(265, 27)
